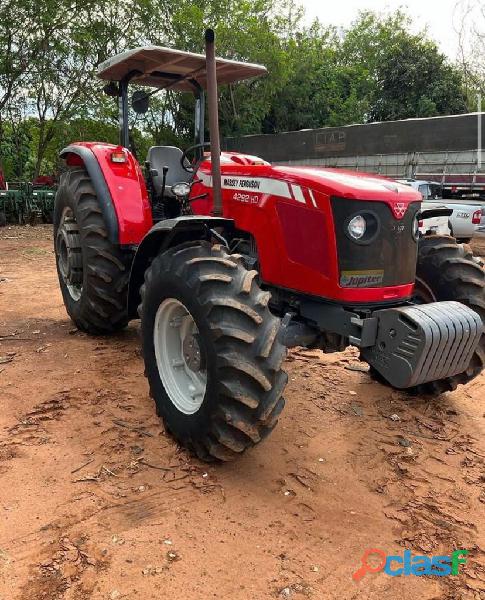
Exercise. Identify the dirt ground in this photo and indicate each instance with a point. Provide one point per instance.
(96, 502)
(478, 245)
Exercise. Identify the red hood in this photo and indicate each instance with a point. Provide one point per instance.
(349, 184)
(332, 182)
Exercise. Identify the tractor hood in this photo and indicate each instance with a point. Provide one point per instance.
(300, 218)
(284, 180)
(348, 184)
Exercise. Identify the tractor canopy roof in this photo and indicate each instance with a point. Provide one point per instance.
(160, 67)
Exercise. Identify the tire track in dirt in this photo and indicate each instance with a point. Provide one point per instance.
(411, 456)
(429, 506)
(30, 430)
(59, 566)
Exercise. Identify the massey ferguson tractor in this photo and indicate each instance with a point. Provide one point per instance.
(228, 260)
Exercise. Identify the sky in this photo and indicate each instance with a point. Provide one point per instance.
(438, 16)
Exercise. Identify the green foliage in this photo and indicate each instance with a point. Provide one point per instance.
(375, 70)
(317, 75)
(15, 150)
(319, 90)
(407, 75)
(245, 30)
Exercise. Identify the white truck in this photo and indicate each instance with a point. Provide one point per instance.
(466, 216)
(434, 219)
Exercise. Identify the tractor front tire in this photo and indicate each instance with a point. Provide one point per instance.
(447, 270)
(93, 272)
(211, 349)
(3, 219)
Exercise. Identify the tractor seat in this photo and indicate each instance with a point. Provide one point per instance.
(166, 156)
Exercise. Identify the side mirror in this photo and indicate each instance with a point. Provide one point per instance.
(111, 89)
(140, 101)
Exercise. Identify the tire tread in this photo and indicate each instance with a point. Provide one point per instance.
(453, 273)
(250, 382)
(104, 307)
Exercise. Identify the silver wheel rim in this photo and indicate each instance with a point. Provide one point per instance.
(69, 254)
(179, 357)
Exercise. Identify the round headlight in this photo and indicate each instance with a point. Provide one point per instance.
(181, 189)
(357, 227)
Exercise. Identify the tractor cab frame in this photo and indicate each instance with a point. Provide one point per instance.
(167, 69)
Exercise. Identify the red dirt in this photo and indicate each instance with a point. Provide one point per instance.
(98, 503)
(478, 245)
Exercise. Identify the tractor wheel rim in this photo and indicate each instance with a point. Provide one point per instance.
(69, 254)
(179, 358)
(422, 294)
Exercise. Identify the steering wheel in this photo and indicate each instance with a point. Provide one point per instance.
(184, 159)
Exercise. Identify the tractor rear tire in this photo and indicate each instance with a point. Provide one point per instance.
(211, 349)
(93, 272)
(3, 219)
(447, 270)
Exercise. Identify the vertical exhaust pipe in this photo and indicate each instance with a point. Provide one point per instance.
(210, 59)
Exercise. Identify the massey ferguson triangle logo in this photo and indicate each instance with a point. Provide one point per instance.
(399, 209)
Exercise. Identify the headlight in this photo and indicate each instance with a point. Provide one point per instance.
(362, 227)
(181, 189)
(356, 227)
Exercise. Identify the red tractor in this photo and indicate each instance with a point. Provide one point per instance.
(228, 260)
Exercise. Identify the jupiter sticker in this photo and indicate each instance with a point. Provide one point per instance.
(368, 278)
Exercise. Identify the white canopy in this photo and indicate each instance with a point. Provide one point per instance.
(163, 67)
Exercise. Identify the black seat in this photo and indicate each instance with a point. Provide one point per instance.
(166, 156)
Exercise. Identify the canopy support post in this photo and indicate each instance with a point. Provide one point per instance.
(210, 58)
(124, 125)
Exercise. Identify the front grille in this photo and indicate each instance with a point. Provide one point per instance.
(388, 259)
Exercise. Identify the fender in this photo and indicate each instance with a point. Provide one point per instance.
(162, 236)
(120, 188)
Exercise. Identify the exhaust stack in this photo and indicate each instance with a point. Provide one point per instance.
(210, 57)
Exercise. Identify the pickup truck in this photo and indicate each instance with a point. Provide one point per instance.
(466, 215)
(465, 220)
(434, 219)
(481, 227)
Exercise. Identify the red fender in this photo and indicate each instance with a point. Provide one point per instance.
(120, 187)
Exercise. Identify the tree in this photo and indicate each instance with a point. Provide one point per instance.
(319, 90)
(317, 75)
(245, 30)
(15, 148)
(63, 85)
(408, 76)
(469, 20)
(20, 43)
(375, 70)
(49, 52)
